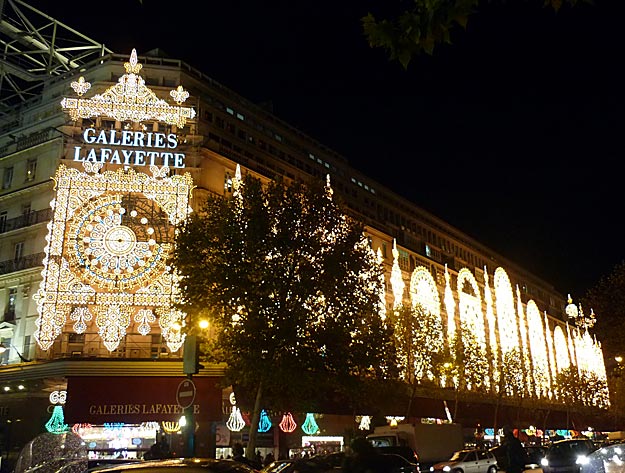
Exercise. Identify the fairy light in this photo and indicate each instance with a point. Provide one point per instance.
(394, 420)
(450, 306)
(264, 423)
(235, 422)
(397, 280)
(310, 426)
(364, 422)
(538, 350)
(102, 260)
(287, 424)
(128, 100)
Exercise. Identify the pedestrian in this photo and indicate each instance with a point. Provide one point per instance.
(238, 454)
(268, 459)
(362, 458)
(515, 453)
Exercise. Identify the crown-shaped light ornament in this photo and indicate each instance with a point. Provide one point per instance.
(130, 100)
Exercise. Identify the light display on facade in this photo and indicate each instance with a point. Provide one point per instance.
(542, 349)
(112, 231)
(130, 100)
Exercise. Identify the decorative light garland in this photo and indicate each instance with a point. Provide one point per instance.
(264, 423)
(310, 426)
(128, 100)
(235, 422)
(171, 427)
(364, 422)
(102, 257)
(287, 424)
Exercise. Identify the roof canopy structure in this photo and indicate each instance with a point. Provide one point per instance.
(35, 47)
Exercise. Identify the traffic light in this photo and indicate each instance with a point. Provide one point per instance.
(191, 356)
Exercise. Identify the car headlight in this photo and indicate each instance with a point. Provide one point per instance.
(446, 468)
(582, 460)
(431, 468)
(544, 462)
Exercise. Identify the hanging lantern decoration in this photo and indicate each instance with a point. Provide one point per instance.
(171, 427)
(56, 424)
(235, 422)
(80, 429)
(310, 426)
(393, 420)
(364, 422)
(264, 424)
(287, 424)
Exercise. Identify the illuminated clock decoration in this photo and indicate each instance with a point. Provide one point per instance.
(264, 424)
(107, 259)
(287, 424)
(310, 426)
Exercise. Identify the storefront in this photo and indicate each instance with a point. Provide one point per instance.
(122, 416)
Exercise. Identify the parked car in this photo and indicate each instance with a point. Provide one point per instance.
(534, 453)
(401, 450)
(567, 456)
(607, 459)
(177, 465)
(468, 461)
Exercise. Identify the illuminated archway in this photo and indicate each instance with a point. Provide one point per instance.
(506, 314)
(470, 306)
(538, 350)
(561, 349)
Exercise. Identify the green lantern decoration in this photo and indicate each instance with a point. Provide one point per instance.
(310, 426)
(56, 424)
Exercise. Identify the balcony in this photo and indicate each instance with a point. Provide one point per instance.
(19, 264)
(26, 220)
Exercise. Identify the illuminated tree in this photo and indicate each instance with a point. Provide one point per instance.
(425, 24)
(293, 287)
(511, 380)
(419, 342)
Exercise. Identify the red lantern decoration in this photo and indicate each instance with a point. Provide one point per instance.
(287, 424)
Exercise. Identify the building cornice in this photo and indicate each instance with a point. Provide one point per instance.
(101, 367)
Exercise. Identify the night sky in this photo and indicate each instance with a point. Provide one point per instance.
(512, 134)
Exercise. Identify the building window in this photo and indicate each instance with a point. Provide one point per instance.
(9, 312)
(3, 221)
(404, 260)
(384, 249)
(228, 182)
(31, 169)
(428, 251)
(18, 251)
(4, 357)
(7, 177)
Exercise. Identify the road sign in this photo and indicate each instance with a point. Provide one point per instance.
(185, 394)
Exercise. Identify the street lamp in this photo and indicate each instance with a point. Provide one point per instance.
(617, 373)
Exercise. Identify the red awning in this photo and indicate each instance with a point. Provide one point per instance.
(132, 400)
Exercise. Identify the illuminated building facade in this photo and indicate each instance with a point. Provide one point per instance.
(111, 153)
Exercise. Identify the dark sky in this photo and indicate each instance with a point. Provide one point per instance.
(513, 133)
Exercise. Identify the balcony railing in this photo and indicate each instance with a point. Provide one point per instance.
(26, 262)
(26, 220)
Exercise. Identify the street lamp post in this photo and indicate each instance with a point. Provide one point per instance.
(617, 373)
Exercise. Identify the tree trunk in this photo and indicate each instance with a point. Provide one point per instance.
(250, 451)
(412, 394)
(496, 417)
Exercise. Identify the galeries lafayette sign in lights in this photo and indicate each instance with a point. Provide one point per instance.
(130, 148)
